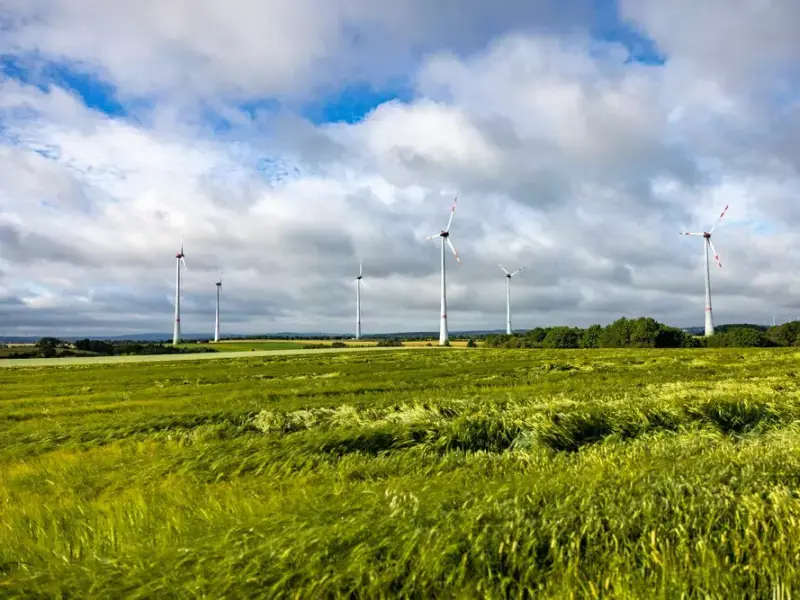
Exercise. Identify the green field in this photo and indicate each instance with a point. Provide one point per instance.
(250, 345)
(171, 358)
(419, 474)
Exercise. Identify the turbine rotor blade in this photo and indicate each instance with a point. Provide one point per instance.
(452, 213)
(700, 234)
(724, 210)
(183, 262)
(716, 256)
(504, 269)
(455, 253)
(518, 271)
(360, 268)
(434, 236)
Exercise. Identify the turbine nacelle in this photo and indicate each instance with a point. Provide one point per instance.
(444, 234)
(360, 273)
(510, 275)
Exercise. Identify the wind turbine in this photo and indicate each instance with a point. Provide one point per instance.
(445, 237)
(707, 243)
(359, 281)
(216, 321)
(179, 262)
(508, 296)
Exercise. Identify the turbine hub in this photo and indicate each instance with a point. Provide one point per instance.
(445, 234)
(706, 235)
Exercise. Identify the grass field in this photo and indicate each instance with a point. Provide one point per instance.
(256, 345)
(250, 345)
(465, 474)
(145, 358)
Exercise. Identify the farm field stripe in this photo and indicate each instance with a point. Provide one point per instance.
(105, 360)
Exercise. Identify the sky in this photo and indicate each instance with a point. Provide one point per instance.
(284, 140)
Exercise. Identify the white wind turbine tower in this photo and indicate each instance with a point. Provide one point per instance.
(508, 296)
(216, 320)
(179, 262)
(359, 281)
(445, 237)
(707, 243)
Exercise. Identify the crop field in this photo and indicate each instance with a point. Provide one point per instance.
(256, 345)
(145, 358)
(250, 345)
(405, 474)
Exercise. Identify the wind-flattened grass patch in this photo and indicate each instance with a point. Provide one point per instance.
(737, 415)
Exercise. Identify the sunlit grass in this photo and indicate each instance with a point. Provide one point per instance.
(469, 473)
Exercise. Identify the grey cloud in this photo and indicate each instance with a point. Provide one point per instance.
(26, 247)
(275, 47)
(736, 42)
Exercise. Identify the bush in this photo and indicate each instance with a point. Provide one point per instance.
(740, 337)
(389, 342)
(472, 343)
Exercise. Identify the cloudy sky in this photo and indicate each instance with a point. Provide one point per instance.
(284, 139)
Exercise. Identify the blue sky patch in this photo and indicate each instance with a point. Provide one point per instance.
(354, 102)
(609, 27)
(93, 91)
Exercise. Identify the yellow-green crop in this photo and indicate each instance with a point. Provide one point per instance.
(405, 474)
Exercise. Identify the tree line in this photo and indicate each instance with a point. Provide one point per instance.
(646, 332)
(50, 347)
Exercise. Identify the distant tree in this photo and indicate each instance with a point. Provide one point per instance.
(616, 335)
(691, 341)
(48, 346)
(535, 336)
(472, 343)
(590, 337)
(96, 346)
(672, 337)
(740, 337)
(562, 337)
(787, 334)
(729, 326)
(643, 333)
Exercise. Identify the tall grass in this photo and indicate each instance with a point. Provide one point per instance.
(468, 474)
